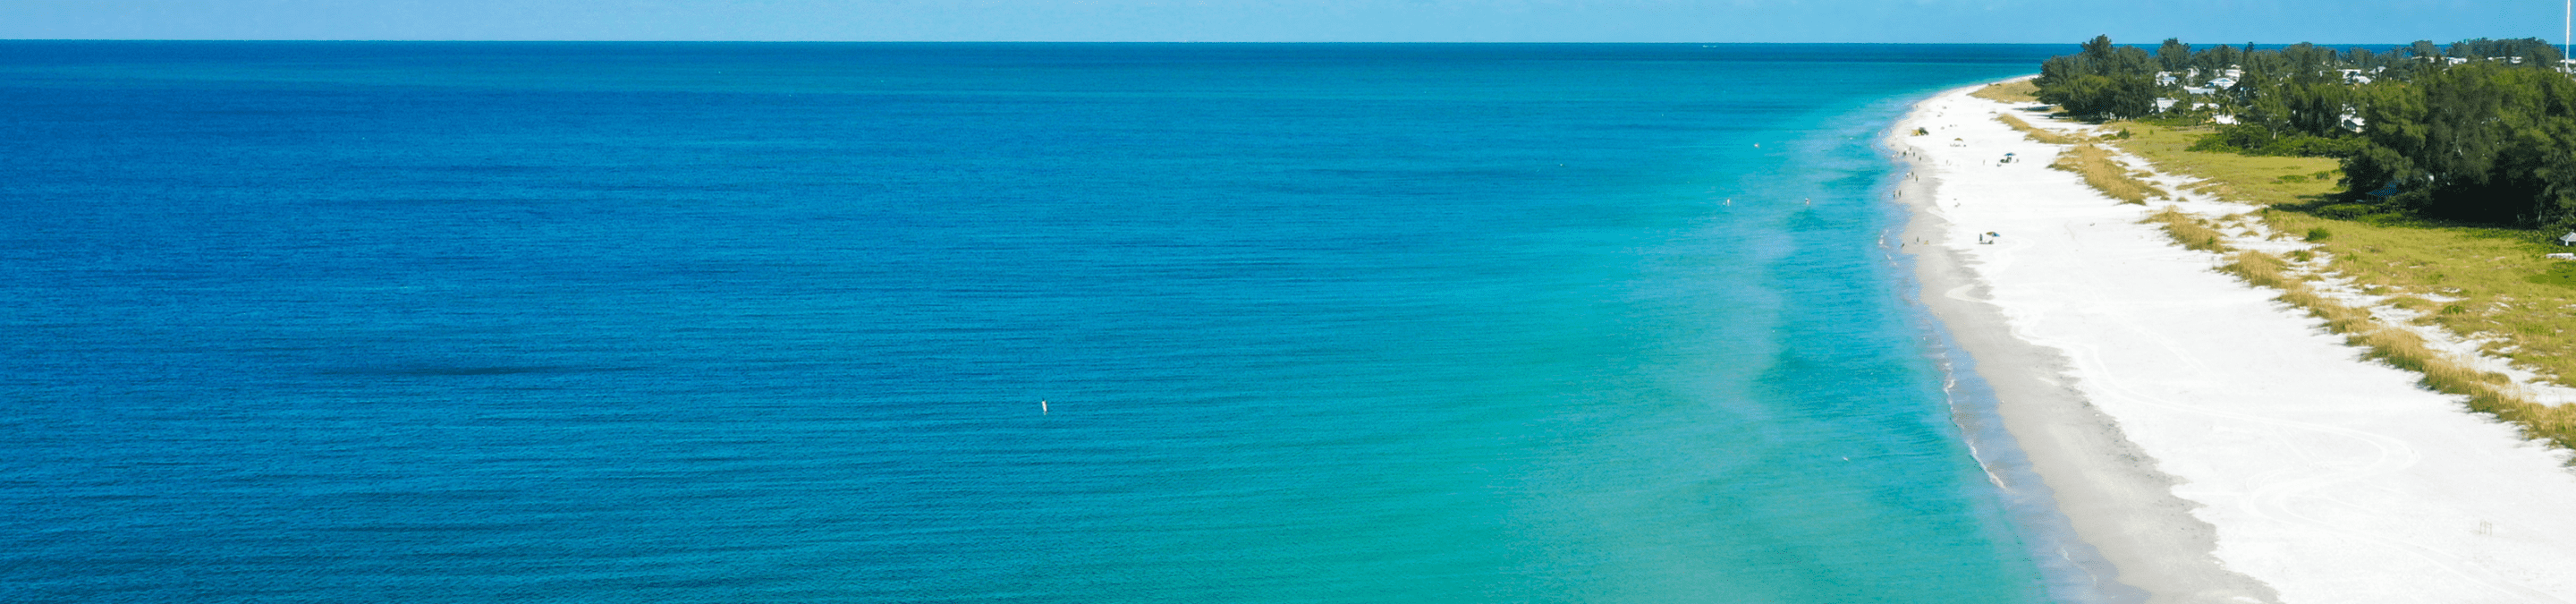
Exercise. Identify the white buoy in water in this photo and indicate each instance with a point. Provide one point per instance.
(1042, 407)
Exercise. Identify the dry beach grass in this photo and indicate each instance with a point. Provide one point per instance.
(2481, 284)
(2297, 440)
(2106, 174)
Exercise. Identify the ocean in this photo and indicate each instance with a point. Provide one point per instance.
(606, 322)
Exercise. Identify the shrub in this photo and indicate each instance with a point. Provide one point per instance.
(2346, 211)
(2251, 139)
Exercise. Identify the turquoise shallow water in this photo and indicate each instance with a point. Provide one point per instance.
(771, 322)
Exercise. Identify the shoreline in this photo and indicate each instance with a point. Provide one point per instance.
(2126, 525)
(2199, 442)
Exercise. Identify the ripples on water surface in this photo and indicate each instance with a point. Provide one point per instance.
(715, 322)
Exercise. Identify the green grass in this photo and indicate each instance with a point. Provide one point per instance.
(2190, 232)
(2498, 279)
(2478, 281)
(2090, 161)
(2035, 133)
(2247, 179)
(2009, 92)
(2110, 177)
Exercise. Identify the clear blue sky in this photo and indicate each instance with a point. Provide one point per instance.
(2045, 21)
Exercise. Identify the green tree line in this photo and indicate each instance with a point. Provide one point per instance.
(2481, 130)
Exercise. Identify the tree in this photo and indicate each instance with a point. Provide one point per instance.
(2312, 63)
(2174, 55)
(2216, 58)
(2487, 140)
(2103, 81)
(2424, 49)
(2483, 141)
(2097, 49)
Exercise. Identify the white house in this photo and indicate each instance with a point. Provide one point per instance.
(2164, 78)
(2353, 123)
(2228, 82)
(2163, 105)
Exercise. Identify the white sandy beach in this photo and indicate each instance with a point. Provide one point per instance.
(2215, 445)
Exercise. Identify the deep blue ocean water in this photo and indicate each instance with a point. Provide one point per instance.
(441, 322)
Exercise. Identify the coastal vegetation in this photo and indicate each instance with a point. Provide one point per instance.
(2490, 285)
(2016, 91)
(2260, 180)
(2110, 176)
(2427, 184)
(2188, 231)
(2089, 161)
(2035, 133)
(2482, 131)
(2385, 338)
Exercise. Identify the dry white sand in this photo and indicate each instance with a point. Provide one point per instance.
(2214, 445)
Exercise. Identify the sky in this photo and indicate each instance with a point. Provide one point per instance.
(1879, 21)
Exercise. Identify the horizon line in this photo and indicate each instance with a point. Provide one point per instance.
(1456, 42)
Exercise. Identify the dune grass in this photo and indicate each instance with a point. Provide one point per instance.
(2482, 281)
(2487, 392)
(2020, 91)
(2111, 177)
(2486, 283)
(2090, 161)
(2036, 133)
(2496, 281)
(2260, 269)
(2190, 232)
(2239, 178)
